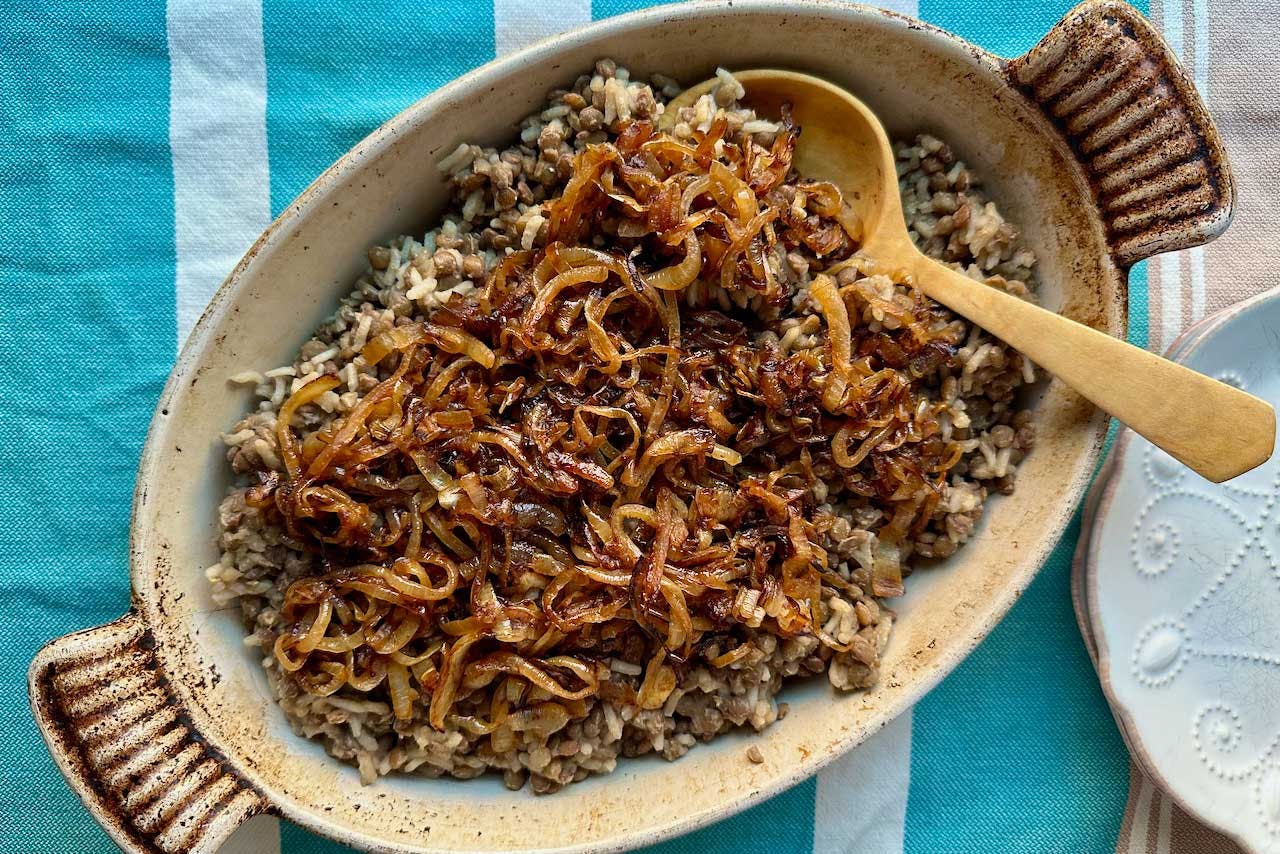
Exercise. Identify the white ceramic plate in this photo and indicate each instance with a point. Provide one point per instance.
(1182, 579)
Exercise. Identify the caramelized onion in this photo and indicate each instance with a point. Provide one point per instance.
(608, 451)
(284, 432)
(679, 276)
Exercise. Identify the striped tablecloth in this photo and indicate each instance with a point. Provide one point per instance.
(142, 148)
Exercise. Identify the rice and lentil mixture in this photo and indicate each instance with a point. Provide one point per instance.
(502, 207)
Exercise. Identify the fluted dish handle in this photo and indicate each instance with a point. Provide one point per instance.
(1133, 118)
(127, 748)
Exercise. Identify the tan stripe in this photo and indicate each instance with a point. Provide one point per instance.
(1184, 291)
(1245, 103)
(1188, 37)
(1130, 807)
(1191, 837)
(1153, 824)
(1153, 818)
(1140, 836)
(1163, 823)
(1184, 279)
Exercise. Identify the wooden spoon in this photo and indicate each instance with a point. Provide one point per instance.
(1217, 430)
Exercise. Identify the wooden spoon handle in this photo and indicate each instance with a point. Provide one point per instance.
(1217, 430)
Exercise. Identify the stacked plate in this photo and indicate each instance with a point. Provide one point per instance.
(1177, 588)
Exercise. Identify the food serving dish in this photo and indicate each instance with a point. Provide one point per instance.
(1094, 141)
(1175, 585)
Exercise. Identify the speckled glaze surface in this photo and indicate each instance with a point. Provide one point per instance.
(162, 721)
(1178, 589)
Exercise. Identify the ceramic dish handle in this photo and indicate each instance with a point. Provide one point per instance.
(1134, 119)
(128, 750)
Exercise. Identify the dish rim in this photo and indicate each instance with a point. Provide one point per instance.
(375, 144)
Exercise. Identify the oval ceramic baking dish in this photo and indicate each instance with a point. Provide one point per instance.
(1095, 142)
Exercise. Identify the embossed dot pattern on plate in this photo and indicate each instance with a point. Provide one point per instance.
(1183, 587)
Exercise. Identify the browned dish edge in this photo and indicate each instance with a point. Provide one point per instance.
(124, 742)
(1162, 182)
(1136, 124)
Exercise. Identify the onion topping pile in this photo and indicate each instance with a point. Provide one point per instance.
(604, 452)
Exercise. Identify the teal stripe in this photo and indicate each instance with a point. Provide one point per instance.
(771, 826)
(1139, 306)
(336, 71)
(1016, 750)
(295, 840)
(1004, 27)
(781, 825)
(86, 296)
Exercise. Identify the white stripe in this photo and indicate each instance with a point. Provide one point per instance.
(221, 184)
(1200, 45)
(1173, 26)
(517, 23)
(218, 140)
(1200, 49)
(1170, 298)
(906, 7)
(1164, 825)
(861, 803)
(1170, 265)
(1141, 818)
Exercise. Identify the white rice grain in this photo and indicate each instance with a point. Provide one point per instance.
(473, 205)
(531, 229)
(299, 382)
(362, 333)
(626, 668)
(237, 438)
(735, 89)
(451, 163)
(321, 358)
